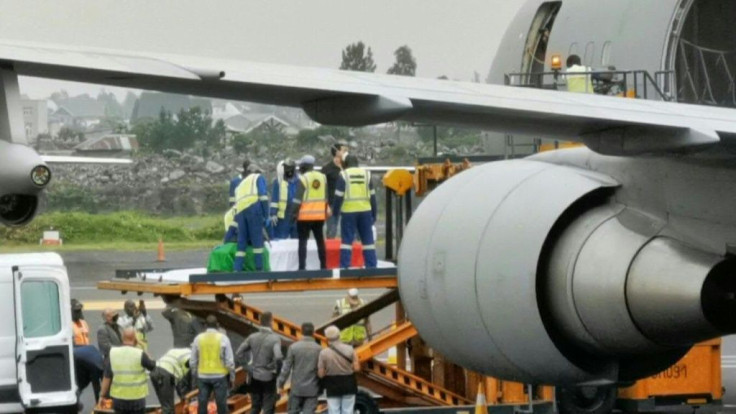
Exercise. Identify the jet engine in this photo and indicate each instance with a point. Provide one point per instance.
(532, 272)
(23, 175)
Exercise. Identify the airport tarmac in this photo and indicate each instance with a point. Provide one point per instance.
(88, 268)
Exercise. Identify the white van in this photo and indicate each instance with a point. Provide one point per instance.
(36, 357)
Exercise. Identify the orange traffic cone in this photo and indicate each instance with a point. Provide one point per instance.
(481, 407)
(161, 253)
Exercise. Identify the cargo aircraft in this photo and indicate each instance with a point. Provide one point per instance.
(593, 266)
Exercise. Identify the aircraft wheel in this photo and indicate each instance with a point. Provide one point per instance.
(586, 400)
(365, 404)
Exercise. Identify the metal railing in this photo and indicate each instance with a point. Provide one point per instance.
(631, 83)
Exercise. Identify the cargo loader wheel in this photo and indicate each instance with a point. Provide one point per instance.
(365, 404)
(586, 400)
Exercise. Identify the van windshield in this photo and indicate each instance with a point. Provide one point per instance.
(40, 307)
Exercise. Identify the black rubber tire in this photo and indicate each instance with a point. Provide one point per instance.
(586, 400)
(365, 404)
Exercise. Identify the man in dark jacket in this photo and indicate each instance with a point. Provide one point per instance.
(301, 364)
(182, 324)
(332, 170)
(108, 335)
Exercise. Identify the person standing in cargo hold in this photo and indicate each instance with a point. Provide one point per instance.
(354, 335)
(355, 197)
(108, 335)
(212, 365)
(81, 329)
(309, 207)
(138, 318)
(125, 375)
(337, 366)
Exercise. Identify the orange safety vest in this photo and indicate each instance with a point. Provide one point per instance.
(314, 203)
(81, 332)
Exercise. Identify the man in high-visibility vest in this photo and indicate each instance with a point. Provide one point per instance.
(282, 190)
(125, 376)
(354, 335)
(235, 181)
(81, 329)
(577, 79)
(212, 366)
(171, 373)
(251, 213)
(309, 207)
(355, 197)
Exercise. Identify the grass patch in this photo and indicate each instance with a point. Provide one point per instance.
(123, 230)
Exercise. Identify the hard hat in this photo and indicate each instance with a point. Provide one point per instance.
(353, 292)
(307, 160)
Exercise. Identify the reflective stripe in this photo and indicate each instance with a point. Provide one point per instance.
(258, 250)
(297, 201)
(346, 247)
(339, 193)
(134, 384)
(273, 205)
(239, 254)
(369, 247)
(125, 372)
(263, 198)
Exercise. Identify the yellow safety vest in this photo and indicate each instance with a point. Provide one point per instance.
(175, 362)
(210, 361)
(129, 381)
(354, 333)
(283, 199)
(314, 203)
(230, 219)
(247, 193)
(357, 190)
(579, 83)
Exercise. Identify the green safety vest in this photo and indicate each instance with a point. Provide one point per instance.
(129, 381)
(354, 333)
(357, 190)
(175, 362)
(283, 199)
(210, 361)
(247, 193)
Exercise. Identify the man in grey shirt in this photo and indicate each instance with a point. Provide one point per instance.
(265, 354)
(301, 363)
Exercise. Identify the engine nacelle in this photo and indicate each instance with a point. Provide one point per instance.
(23, 176)
(528, 271)
(17, 209)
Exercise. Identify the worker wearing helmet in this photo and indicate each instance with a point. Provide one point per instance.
(354, 335)
(251, 212)
(283, 190)
(355, 197)
(309, 207)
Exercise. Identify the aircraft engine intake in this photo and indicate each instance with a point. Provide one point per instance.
(24, 175)
(530, 272)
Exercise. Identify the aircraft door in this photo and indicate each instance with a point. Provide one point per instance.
(535, 50)
(44, 353)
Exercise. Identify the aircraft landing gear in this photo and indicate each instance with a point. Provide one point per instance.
(586, 400)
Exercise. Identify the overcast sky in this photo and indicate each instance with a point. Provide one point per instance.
(448, 38)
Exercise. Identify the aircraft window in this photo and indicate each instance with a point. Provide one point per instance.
(589, 54)
(573, 49)
(40, 308)
(606, 54)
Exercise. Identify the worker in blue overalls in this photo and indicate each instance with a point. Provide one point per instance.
(283, 190)
(355, 197)
(235, 182)
(251, 213)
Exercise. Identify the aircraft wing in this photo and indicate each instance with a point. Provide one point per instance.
(609, 125)
(64, 159)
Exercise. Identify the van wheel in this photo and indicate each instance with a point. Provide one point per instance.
(365, 404)
(586, 400)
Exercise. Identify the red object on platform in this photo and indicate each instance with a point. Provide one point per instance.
(333, 254)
